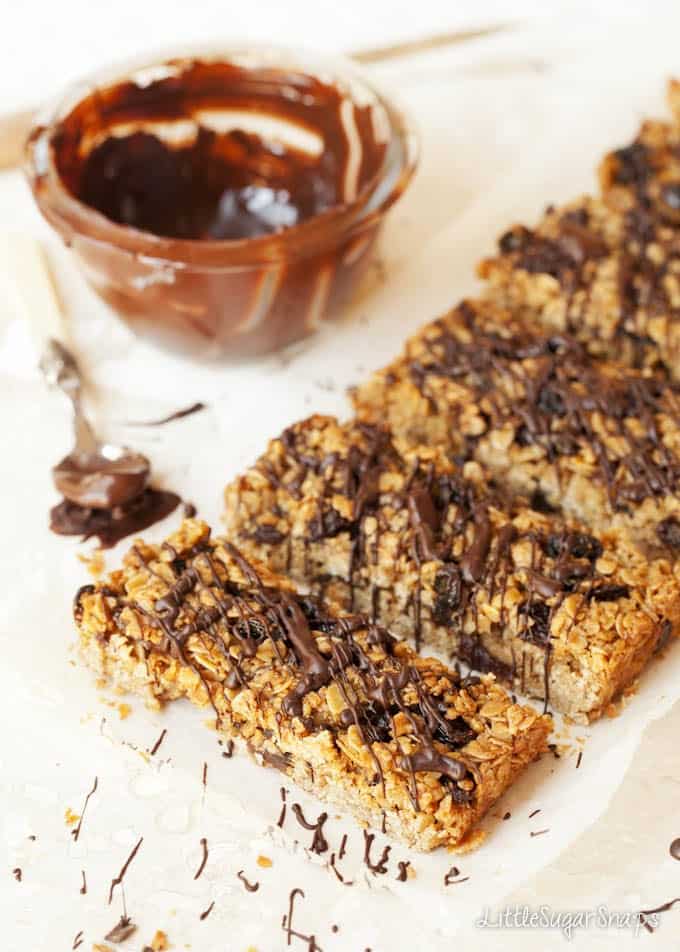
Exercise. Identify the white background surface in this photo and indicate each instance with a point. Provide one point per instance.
(507, 124)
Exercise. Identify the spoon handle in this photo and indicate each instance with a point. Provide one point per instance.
(61, 370)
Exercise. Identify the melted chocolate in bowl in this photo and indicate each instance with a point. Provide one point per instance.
(223, 207)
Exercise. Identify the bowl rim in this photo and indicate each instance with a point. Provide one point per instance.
(74, 219)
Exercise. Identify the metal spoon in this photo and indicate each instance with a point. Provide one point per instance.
(94, 475)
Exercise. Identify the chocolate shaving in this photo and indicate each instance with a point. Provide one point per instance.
(17, 873)
(534, 812)
(251, 887)
(75, 833)
(78, 940)
(539, 832)
(204, 859)
(159, 741)
(507, 815)
(121, 931)
(403, 865)
(228, 751)
(117, 880)
(83, 888)
(343, 846)
(579, 759)
(674, 849)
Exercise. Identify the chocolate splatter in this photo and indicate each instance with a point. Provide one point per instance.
(539, 832)
(206, 912)
(343, 846)
(534, 813)
(83, 888)
(78, 940)
(204, 859)
(228, 751)
(176, 415)
(378, 868)
(282, 815)
(117, 880)
(17, 873)
(507, 815)
(319, 842)
(251, 887)
(75, 832)
(653, 912)
(674, 849)
(204, 776)
(403, 865)
(287, 925)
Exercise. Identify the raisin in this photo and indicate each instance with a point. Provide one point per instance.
(578, 545)
(514, 240)
(668, 531)
(632, 165)
(327, 524)
(447, 585)
(609, 593)
(550, 401)
(268, 535)
(539, 502)
(538, 632)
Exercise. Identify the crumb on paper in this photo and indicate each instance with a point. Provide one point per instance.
(70, 818)
(124, 711)
(264, 862)
(160, 941)
(100, 947)
(410, 872)
(94, 562)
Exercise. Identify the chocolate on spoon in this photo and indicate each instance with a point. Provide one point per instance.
(105, 487)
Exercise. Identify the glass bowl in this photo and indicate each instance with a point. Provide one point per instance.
(236, 296)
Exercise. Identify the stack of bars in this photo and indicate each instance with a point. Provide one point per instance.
(508, 494)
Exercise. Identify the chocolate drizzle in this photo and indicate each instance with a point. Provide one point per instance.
(204, 602)
(550, 392)
(447, 519)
